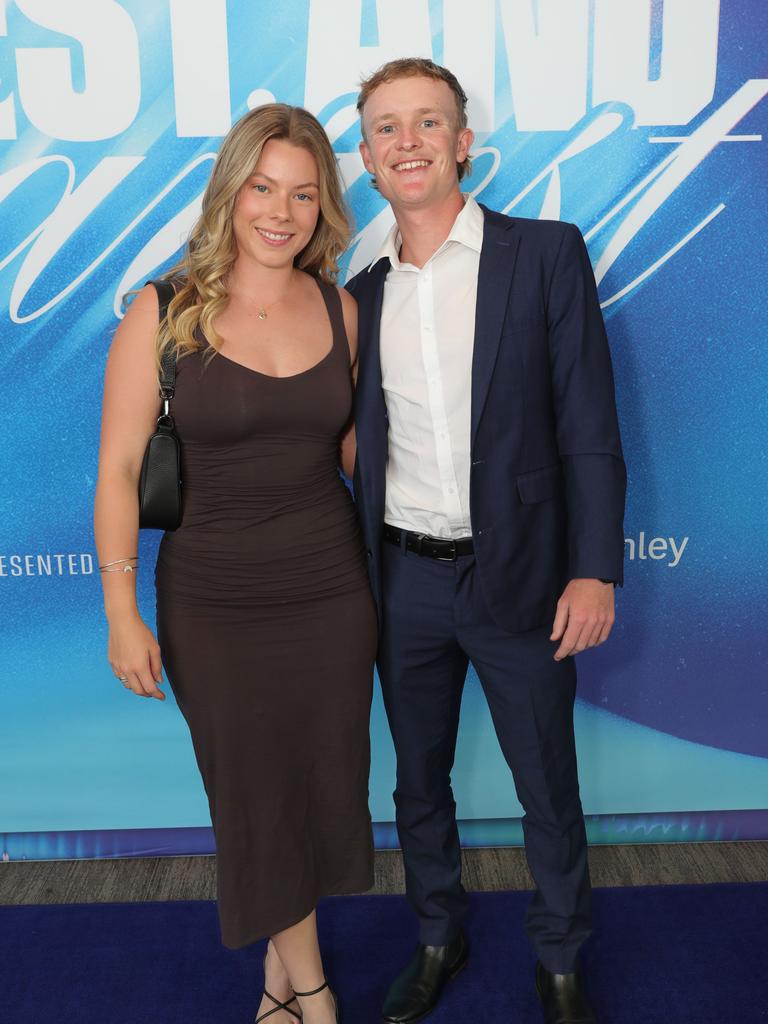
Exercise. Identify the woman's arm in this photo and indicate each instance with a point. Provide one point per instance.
(131, 407)
(348, 440)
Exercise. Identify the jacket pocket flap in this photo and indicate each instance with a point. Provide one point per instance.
(539, 485)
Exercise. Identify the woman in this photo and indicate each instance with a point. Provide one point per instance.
(266, 626)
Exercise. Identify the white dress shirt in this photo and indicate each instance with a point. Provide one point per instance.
(427, 338)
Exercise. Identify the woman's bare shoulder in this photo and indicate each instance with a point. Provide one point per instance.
(348, 301)
(138, 328)
(142, 303)
(349, 312)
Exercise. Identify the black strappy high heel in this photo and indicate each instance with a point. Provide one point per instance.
(315, 991)
(278, 1006)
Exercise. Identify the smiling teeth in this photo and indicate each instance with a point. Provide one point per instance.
(272, 235)
(409, 165)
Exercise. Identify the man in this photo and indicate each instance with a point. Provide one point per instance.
(491, 483)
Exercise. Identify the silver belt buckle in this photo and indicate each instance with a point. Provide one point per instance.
(452, 556)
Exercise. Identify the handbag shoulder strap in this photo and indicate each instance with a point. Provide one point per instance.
(165, 292)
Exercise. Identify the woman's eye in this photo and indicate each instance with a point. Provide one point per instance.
(260, 188)
(304, 197)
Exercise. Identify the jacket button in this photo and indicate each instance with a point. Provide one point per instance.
(369, 553)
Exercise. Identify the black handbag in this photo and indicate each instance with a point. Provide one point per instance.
(160, 479)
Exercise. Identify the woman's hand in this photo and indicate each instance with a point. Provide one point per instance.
(134, 655)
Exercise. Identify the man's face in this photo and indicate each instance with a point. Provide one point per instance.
(412, 141)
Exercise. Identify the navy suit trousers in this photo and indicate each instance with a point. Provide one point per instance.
(435, 621)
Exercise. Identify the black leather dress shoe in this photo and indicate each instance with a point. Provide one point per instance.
(415, 991)
(562, 998)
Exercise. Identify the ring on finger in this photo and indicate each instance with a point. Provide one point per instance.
(123, 679)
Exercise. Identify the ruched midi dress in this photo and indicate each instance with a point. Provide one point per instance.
(267, 631)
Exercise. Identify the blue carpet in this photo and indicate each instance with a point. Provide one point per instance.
(667, 955)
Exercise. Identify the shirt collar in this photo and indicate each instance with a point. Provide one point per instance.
(467, 230)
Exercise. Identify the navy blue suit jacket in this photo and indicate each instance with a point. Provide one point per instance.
(547, 479)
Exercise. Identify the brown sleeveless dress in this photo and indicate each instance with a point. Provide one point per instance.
(268, 633)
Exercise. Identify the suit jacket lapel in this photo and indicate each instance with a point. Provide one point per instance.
(370, 407)
(369, 374)
(494, 279)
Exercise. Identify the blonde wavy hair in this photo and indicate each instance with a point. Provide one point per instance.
(200, 276)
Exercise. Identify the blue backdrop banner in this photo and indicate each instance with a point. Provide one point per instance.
(643, 121)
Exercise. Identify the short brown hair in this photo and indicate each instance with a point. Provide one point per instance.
(413, 67)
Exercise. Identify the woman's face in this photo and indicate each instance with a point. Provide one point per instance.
(277, 208)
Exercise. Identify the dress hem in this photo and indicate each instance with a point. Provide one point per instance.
(344, 890)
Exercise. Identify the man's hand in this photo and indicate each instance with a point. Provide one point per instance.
(584, 616)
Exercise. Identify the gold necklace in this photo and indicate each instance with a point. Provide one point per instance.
(262, 311)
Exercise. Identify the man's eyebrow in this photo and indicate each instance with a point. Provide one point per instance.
(420, 111)
(266, 177)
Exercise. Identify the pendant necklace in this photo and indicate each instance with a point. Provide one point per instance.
(261, 313)
(262, 310)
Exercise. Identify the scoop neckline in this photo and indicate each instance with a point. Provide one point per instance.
(301, 373)
(272, 376)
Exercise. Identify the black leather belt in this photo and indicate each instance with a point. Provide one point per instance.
(430, 547)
